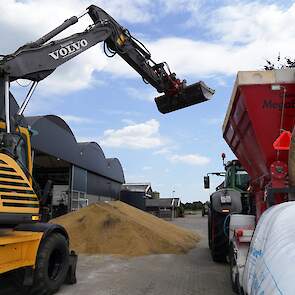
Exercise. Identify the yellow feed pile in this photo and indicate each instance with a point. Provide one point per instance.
(117, 228)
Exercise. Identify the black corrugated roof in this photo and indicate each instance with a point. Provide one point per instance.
(137, 187)
(56, 138)
(163, 202)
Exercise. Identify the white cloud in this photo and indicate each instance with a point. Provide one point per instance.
(113, 112)
(76, 119)
(135, 178)
(203, 59)
(163, 151)
(246, 35)
(249, 22)
(190, 159)
(128, 121)
(174, 6)
(212, 121)
(135, 136)
(77, 74)
(147, 94)
(25, 21)
(132, 11)
(171, 155)
(147, 168)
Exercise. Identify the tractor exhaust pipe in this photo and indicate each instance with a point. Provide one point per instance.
(187, 96)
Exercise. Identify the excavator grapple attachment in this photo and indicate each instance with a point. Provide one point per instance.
(189, 95)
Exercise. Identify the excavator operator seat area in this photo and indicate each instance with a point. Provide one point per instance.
(14, 145)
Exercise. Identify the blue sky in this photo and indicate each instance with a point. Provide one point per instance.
(104, 100)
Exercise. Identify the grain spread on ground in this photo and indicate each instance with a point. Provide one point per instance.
(119, 229)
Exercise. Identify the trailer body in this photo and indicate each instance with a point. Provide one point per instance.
(258, 127)
(255, 119)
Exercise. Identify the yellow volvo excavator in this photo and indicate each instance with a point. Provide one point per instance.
(35, 256)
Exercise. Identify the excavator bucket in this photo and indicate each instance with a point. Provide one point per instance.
(188, 96)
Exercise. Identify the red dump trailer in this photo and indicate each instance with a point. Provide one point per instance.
(258, 128)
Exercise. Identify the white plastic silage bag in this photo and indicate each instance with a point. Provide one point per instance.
(270, 266)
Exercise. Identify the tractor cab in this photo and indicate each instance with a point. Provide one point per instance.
(236, 177)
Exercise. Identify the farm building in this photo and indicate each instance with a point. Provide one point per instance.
(167, 208)
(135, 194)
(80, 172)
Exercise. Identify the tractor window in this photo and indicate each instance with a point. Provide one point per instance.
(227, 182)
(242, 180)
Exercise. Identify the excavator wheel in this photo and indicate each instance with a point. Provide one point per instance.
(52, 265)
(51, 270)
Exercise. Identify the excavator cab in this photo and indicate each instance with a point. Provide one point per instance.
(14, 146)
(18, 201)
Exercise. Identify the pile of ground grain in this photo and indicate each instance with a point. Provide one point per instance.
(119, 229)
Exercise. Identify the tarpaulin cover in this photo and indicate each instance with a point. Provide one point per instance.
(270, 266)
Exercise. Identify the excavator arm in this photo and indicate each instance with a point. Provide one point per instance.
(37, 60)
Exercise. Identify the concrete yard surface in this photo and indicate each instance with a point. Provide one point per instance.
(190, 274)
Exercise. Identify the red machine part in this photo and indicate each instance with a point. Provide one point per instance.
(279, 171)
(256, 118)
(282, 143)
(176, 85)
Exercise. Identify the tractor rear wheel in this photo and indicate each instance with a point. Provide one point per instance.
(234, 273)
(209, 229)
(218, 239)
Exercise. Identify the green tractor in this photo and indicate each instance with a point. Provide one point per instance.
(230, 197)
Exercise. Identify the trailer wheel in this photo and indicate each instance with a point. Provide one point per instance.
(234, 273)
(51, 266)
(219, 240)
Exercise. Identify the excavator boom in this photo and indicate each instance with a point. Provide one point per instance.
(35, 61)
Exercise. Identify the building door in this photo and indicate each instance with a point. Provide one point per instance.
(78, 188)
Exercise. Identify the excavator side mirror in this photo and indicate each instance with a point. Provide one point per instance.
(206, 182)
(188, 96)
